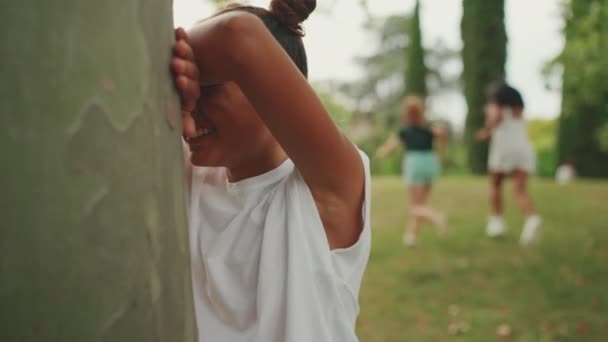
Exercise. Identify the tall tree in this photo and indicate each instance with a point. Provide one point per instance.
(583, 122)
(416, 70)
(484, 57)
(93, 240)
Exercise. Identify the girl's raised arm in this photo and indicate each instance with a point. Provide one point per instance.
(236, 46)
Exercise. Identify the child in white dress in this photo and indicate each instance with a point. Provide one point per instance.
(511, 155)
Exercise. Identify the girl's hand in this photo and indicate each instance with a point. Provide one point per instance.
(483, 135)
(390, 145)
(186, 78)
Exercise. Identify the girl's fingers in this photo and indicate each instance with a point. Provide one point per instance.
(188, 124)
(180, 33)
(189, 91)
(186, 79)
(185, 68)
(184, 50)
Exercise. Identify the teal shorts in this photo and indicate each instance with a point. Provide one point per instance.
(420, 167)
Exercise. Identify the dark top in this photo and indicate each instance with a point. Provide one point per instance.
(416, 138)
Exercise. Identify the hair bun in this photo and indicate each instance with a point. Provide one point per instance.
(292, 12)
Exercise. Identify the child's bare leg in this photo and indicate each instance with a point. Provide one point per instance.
(413, 225)
(531, 229)
(495, 226)
(426, 212)
(496, 206)
(520, 182)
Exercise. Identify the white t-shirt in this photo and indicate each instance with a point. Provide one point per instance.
(262, 269)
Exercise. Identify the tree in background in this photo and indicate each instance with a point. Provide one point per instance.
(583, 123)
(484, 57)
(375, 98)
(416, 70)
(93, 239)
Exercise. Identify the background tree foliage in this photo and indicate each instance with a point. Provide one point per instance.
(583, 123)
(416, 70)
(483, 56)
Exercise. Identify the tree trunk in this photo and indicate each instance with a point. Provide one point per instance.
(93, 239)
(484, 56)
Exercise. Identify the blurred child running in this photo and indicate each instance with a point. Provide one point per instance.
(420, 164)
(510, 155)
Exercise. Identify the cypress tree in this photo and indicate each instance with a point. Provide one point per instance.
(416, 70)
(484, 57)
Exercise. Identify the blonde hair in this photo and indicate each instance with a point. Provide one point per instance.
(413, 110)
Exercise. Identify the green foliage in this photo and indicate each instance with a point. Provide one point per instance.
(380, 91)
(391, 165)
(375, 99)
(415, 73)
(340, 114)
(218, 2)
(542, 135)
(381, 88)
(484, 56)
(603, 137)
(581, 133)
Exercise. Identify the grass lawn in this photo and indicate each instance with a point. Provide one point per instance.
(467, 287)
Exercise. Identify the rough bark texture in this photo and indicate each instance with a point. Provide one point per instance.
(93, 239)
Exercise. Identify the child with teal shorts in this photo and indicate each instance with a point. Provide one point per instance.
(420, 164)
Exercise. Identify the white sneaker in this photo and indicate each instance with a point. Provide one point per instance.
(495, 227)
(409, 239)
(531, 230)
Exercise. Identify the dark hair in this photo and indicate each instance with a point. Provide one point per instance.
(283, 20)
(504, 95)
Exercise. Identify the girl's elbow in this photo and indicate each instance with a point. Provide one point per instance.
(238, 33)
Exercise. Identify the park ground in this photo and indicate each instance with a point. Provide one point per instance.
(467, 287)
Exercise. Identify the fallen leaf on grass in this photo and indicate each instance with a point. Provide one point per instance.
(582, 328)
(503, 330)
(457, 328)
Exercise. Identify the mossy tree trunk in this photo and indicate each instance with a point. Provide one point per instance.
(93, 239)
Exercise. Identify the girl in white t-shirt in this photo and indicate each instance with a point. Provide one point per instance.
(511, 155)
(279, 197)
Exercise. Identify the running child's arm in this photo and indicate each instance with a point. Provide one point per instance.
(493, 118)
(236, 46)
(390, 145)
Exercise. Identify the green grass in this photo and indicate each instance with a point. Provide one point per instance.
(463, 286)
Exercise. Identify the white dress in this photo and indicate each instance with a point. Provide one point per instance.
(262, 270)
(510, 147)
